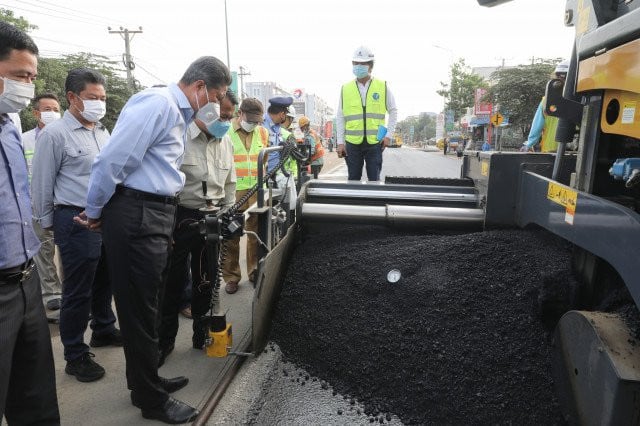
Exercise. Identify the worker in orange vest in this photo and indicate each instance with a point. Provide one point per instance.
(312, 139)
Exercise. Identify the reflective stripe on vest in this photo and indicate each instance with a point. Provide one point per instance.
(245, 161)
(359, 120)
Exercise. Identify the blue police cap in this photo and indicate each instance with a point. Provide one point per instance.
(281, 101)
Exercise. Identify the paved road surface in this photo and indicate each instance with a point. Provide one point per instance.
(400, 162)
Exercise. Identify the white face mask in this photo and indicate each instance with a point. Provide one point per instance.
(16, 95)
(49, 116)
(248, 127)
(94, 110)
(208, 113)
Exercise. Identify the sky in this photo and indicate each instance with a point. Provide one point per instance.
(308, 44)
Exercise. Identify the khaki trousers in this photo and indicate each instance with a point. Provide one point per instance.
(44, 260)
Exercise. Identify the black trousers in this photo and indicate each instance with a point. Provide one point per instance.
(137, 240)
(186, 240)
(27, 372)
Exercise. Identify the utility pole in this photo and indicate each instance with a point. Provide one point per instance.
(127, 61)
(242, 73)
(226, 30)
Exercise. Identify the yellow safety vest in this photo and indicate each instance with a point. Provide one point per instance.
(290, 164)
(363, 120)
(548, 140)
(246, 161)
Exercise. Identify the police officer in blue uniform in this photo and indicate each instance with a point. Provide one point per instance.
(275, 116)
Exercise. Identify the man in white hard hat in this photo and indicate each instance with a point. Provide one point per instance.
(543, 127)
(361, 135)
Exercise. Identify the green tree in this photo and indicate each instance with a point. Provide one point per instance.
(518, 91)
(459, 92)
(7, 15)
(424, 127)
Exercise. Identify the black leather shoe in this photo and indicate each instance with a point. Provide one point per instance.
(173, 412)
(163, 353)
(175, 384)
(169, 385)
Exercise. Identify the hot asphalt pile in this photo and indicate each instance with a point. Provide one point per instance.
(460, 339)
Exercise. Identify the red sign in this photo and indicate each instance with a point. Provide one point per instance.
(481, 107)
(328, 129)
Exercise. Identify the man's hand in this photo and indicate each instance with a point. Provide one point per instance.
(90, 224)
(342, 152)
(525, 148)
(384, 143)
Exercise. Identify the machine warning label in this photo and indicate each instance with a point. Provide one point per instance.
(628, 113)
(484, 168)
(565, 197)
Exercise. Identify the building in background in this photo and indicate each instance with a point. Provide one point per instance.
(308, 104)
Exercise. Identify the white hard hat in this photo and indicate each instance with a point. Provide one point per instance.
(362, 54)
(562, 67)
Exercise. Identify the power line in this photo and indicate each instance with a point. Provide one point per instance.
(62, 12)
(47, 14)
(76, 11)
(160, 80)
(40, 6)
(91, 49)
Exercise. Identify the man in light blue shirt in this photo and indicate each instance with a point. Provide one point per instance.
(27, 373)
(64, 152)
(132, 196)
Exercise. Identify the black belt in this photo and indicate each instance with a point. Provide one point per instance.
(16, 274)
(65, 206)
(142, 195)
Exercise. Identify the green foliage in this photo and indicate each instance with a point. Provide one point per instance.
(518, 91)
(459, 92)
(424, 127)
(7, 15)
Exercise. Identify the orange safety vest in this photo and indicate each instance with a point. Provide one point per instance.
(245, 160)
(318, 148)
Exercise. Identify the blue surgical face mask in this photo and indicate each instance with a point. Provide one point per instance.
(361, 71)
(218, 128)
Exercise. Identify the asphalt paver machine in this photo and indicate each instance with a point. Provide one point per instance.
(590, 197)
